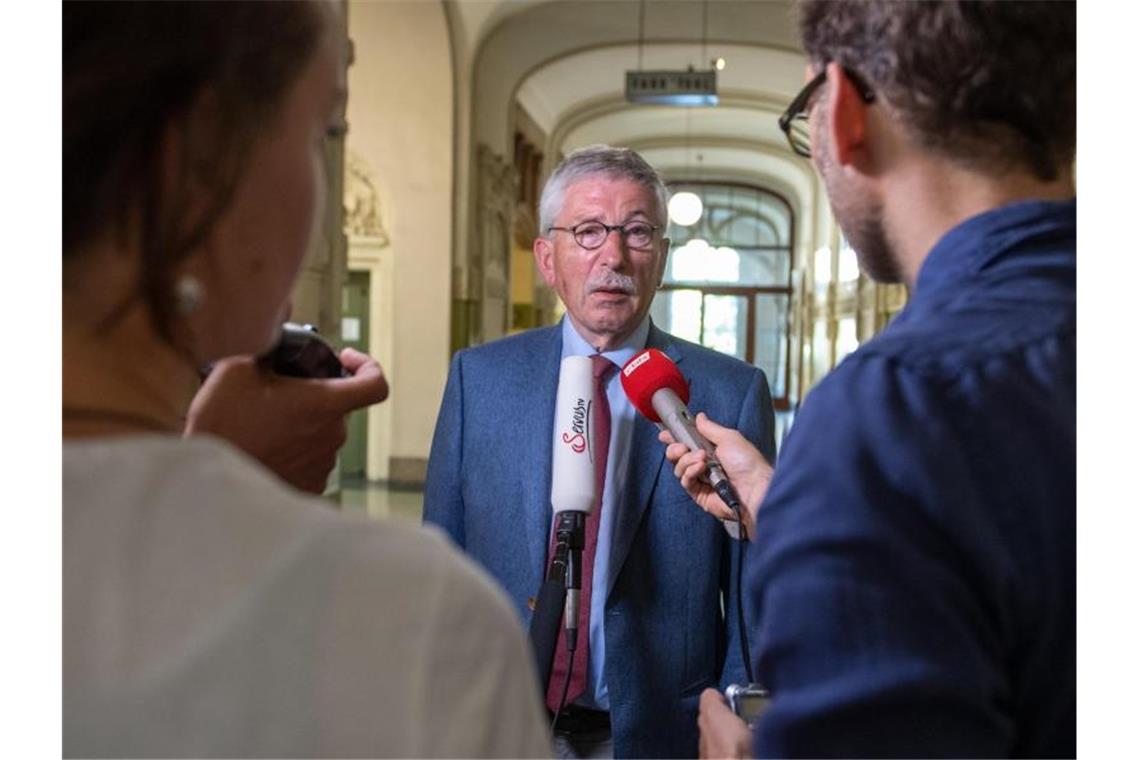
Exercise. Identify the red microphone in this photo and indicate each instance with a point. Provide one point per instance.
(645, 374)
(657, 389)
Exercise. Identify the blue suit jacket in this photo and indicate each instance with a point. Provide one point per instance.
(488, 486)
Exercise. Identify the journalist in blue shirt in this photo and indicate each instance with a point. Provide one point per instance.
(913, 574)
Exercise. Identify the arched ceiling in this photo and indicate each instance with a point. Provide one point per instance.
(763, 74)
(477, 17)
(564, 63)
(680, 128)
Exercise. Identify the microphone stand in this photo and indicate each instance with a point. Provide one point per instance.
(571, 532)
(559, 594)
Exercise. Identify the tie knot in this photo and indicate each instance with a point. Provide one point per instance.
(602, 366)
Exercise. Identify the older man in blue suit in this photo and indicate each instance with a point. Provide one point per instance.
(659, 615)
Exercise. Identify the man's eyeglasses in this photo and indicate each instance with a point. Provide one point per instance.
(592, 235)
(794, 121)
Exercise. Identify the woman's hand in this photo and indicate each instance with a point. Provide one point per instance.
(294, 426)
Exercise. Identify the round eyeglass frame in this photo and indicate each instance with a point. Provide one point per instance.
(577, 232)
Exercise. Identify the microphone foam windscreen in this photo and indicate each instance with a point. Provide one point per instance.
(648, 372)
(572, 486)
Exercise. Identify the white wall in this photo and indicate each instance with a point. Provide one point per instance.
(401, 125)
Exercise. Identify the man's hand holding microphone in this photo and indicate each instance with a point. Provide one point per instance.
(744, 466)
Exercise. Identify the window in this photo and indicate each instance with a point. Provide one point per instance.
(848, 262)
(728, 283)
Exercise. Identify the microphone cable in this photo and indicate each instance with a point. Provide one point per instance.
(565, 685)
(728, 495)
(744, 648)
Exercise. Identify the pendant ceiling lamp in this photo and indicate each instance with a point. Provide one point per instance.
(685, 207)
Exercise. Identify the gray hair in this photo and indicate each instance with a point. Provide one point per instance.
(615, 163)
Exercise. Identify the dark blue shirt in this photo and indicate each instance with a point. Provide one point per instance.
(914, 572)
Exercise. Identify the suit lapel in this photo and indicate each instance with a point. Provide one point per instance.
(646, 455)
(536, 458)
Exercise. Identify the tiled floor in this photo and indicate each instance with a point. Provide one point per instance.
(378, 500)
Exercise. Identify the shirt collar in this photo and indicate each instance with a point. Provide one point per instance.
(574, 344)
(980, 240)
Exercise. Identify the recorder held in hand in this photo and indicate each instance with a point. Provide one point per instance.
(301, 351)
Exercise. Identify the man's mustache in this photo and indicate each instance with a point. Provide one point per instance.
(613, 282)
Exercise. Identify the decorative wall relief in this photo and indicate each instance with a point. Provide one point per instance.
(490, 262)
(525, 311)
(362, 201)
(525, 228)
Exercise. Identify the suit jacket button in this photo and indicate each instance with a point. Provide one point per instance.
(530, 603)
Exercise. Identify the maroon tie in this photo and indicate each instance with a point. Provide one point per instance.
(601, 424)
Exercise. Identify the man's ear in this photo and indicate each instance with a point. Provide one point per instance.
(846, 117)
(544, 259)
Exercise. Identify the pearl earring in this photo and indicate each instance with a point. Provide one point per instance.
(188, 292)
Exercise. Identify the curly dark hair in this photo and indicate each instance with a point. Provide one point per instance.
(989, 84)
(130, 71)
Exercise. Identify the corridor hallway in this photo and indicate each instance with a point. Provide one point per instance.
(457, 112)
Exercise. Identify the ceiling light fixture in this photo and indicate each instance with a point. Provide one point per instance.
(685, 208)
(686, 87)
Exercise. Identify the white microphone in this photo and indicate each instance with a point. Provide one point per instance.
(572, 486)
